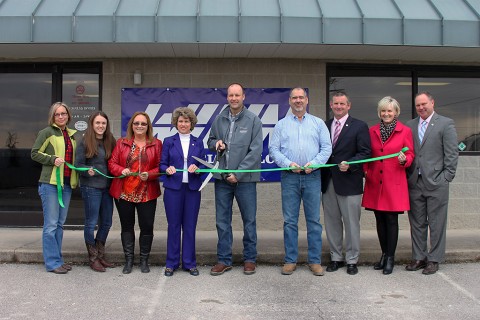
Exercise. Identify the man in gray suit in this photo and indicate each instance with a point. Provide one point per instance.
(436, 157)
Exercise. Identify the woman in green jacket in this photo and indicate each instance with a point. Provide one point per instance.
(54, 146)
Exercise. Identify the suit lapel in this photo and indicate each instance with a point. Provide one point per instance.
(178, 145)
(191, 145)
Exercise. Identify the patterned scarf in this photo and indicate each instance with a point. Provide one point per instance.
(386, 130)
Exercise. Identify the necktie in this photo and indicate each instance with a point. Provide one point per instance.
(421, 133)
(336, 133)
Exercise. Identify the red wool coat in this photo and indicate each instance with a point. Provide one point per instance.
(386, 186)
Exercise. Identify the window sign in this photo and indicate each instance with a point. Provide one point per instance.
(81, 94)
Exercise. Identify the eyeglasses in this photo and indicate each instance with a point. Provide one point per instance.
(58, 115)
(143, 124)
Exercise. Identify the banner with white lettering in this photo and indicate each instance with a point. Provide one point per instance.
(269, 104)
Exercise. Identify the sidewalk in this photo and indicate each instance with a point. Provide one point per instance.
(24, 245)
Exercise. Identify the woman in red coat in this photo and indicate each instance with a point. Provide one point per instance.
(386, 190)
(137, 157)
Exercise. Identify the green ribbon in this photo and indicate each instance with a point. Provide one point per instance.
(59, 186)
(393, 155)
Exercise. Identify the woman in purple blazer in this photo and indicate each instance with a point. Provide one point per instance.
(181, 197)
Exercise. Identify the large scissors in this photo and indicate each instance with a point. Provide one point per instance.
(208, 165)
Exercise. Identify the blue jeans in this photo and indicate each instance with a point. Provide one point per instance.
(54, 217)
(98, 209)
(295, 188)
(246, 195)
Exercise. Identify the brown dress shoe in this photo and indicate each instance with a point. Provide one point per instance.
(288, 268)
(59, 270)
(431, 268)
(249, 268)
(219, 269)
(67, 267)
(415, 265)
(316, 269)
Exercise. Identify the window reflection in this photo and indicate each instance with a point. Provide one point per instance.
(366, 92)
(459, 99)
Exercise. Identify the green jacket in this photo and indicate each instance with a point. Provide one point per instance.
(48, 146)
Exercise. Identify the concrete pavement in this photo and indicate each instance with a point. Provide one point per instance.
(24, 245)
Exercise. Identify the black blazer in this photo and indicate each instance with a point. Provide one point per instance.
(353, 144)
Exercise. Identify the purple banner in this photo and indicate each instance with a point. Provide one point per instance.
(269, 104)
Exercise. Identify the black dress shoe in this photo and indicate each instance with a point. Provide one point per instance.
(431, 268)
(352, 269)
(416, 265)
(193, 271)
(168, 272)
(334, 265)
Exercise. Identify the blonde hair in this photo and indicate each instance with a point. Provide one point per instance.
(386, 102)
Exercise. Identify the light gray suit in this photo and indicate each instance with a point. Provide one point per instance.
(436, 160)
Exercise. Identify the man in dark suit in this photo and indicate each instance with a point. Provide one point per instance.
(436, 157)
(342, 185)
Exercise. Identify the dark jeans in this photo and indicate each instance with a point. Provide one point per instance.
(98, 210)
(146, 215)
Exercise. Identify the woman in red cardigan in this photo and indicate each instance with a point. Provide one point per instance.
(137, 157)
(386, 190)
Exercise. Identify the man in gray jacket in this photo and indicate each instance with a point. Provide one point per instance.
(434, 167)
(236, 135)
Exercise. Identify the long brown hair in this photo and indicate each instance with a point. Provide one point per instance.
(149, 133)
(91, 142)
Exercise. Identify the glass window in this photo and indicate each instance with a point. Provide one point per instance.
(366, 92)
(455, 89)
(25, 99)
(26, 94)
(459, 99)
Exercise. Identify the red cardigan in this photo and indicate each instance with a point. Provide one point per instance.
(118, 162)
(386, 186)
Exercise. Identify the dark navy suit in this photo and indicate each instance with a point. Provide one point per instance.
(181, 200)
(342, 190)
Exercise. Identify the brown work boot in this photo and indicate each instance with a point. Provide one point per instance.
(316, 269)
(249, 268)
(219, 269)
(288, 268)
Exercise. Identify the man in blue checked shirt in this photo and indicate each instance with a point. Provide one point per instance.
(300, 140)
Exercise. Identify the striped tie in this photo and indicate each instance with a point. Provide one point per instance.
(336, 133)
(421, 133)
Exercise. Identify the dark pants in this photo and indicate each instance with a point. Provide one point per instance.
(146, 215)
(387, 231)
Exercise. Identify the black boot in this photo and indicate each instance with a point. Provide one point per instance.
(128, 242)
(389, 263)
(380, 264)
(145, 247)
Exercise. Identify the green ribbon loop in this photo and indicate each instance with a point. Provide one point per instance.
(59, 186)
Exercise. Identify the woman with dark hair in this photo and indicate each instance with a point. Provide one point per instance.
(137, 157)
(93, 152)
(182, 198)
(54, 146)
(386, 190)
